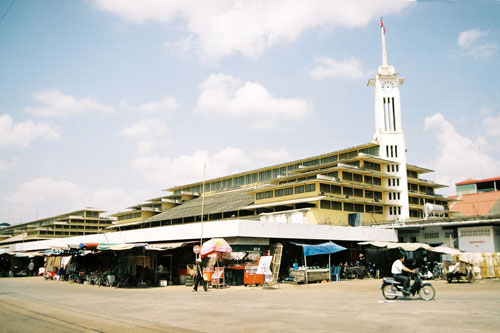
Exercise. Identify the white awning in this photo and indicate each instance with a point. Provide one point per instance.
(403, 246)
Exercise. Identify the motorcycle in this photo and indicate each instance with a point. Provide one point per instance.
(392, 289)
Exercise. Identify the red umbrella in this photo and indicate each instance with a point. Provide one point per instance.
(215, 245)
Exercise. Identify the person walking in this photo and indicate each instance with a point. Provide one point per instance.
(199, 276)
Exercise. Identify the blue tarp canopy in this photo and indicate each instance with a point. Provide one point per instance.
(323, 248)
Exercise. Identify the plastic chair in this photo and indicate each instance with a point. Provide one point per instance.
(336, 273)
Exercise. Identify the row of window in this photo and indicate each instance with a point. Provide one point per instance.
(394, 210)
(422, 189)
(286, 191)
(475, 232)
(351, 207)
(392, 167)
(129, 216)
(324, 188)
(391, 151)
(422, 201)
(266, 175)
(394, 196)
(393, 181)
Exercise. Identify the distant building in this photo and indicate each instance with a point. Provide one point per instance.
(477, 197)
(86, 221)
(474, 225)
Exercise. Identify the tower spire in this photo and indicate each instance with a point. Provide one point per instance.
(384, 52)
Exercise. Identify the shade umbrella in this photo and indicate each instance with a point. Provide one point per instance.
(215, 245)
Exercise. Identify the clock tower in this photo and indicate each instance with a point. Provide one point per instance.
(390, 135)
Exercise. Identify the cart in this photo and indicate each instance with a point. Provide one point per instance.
(460, 271)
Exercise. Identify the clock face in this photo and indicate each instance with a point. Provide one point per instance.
(387, 86)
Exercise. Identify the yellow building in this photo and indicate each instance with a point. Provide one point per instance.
(86, 221)
(362, 185)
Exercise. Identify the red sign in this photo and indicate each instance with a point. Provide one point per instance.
(196, 249)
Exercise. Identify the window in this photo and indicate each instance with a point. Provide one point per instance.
(368, 180)
(372, 166)
(278, 193)
(329, 159)
(346, 175)
(260, 196)
(288, 191)
(368, 194)
(377, 181)
(348, 207)
(358, 192)
(359, 208)
(310, 187)
(268, 194)
(431, 235)
(336, 205)
(358, 178)
(311, 163)
(299, 189)
(348, 191)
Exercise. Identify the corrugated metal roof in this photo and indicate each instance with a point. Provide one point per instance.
(213, 204)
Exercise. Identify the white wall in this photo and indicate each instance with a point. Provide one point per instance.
(476, 239)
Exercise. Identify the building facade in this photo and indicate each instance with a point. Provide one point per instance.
(363, 185)
(87, 221)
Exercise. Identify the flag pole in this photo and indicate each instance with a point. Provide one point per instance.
(202, 202)
(382, 33)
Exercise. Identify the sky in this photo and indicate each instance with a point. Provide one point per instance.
(107, 103)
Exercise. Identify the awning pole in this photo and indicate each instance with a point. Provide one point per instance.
(329, 268)
(305, 272)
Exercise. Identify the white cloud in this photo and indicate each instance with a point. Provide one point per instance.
(151, 131)
(163, 106)
(221, 28)
(350, 68)
(189, 168)
(3, 166)
(466, 38)
(459, 157)
(45, 188)
(471, 42)
(492, 125)
(23, 133)
(224, 95)
(59, 104)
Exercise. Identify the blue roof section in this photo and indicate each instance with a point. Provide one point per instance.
(323, 248)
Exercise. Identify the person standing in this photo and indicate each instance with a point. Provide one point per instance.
(199, 276)
(397, 270)
(31, 267)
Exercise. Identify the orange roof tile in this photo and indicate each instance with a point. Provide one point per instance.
(477, 203)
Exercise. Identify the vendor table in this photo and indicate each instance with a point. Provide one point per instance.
(313, 274)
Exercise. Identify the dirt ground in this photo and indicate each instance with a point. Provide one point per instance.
(35, 305)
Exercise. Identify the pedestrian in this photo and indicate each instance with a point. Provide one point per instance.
(199, 276)
(31, 267)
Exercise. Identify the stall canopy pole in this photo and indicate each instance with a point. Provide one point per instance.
(305, 271)
(329, 268)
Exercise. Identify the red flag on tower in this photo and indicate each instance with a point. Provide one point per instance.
(382, 24)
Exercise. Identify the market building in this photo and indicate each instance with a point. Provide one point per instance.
(362, 185)
(343, 196)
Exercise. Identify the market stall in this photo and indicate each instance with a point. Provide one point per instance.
(310, 274)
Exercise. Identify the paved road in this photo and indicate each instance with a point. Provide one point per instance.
(35, 305)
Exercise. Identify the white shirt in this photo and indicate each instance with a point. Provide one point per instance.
(397, 267)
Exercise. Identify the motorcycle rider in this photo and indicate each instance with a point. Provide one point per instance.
(397, 272)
